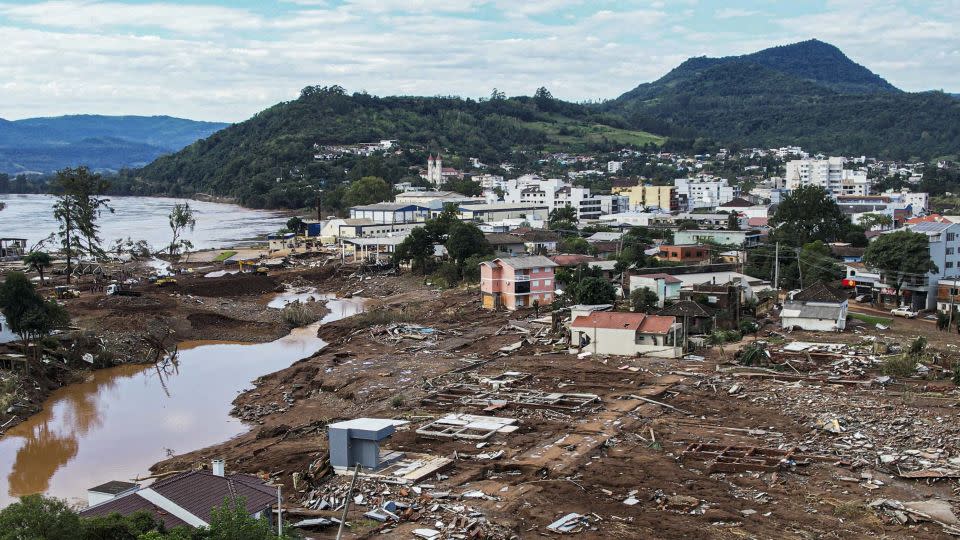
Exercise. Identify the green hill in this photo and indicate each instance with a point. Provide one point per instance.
(808, 94)
(268, 160)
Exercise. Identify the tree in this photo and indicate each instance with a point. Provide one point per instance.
(230, 521)
(39, 261)
(181, 219)
(574, 244)
(38, 518)
(368, 190)
(808, 214)
(296, 225)
(871, 221)
(463, 186)
(900, 256)
(78, 206)
(817, 264)
(416, 248)
(28, 315)
(733, 221)
(595, 290)
(465, 240)
(563, 218)
(644, 300)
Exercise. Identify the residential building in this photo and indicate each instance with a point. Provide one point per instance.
(643, 196)
(627, 334)
(948, 296)
(614, 167)
(828, 174)
(386, 212)
(944, 245)
(702, 221)
(604, 236)
(722, 237)
(556, 193)
(493, 212)
(572, 260)
(819, 308)
(705, 191)
(666, 287)
(506, 245)
(186, 499)
(692, 253)
(538, 241)
(517, 282)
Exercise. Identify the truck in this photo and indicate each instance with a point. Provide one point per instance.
(119, 289)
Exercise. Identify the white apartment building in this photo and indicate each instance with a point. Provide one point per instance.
(614, 166)
(705, 191)
(555, 193)
(490, 181)
(828, 174)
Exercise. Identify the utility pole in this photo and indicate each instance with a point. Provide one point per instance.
(800, 268)
(776, 271)
(279, 511)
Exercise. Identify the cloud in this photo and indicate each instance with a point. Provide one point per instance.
(731, 13)
(225, 63)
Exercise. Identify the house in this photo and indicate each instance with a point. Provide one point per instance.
(722, 237)
(572, 260)
(604, 236)
(517, 282)
(666, 286)
(819, 307)
(506, 245)
(695, 318)
(627, 334)
(185, 499)
(948, 295)
(12, 249)
(690, 253)
(538, 241)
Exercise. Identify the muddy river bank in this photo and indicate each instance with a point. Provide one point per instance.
(119, 421)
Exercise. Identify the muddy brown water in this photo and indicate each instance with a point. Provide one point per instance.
(122, 420)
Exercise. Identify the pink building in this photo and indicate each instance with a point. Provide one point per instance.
(517, 282)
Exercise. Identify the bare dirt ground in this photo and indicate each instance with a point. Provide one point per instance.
(624, 448)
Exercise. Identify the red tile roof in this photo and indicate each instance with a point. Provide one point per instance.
(758, 222)
(613, 320)
(572, 260)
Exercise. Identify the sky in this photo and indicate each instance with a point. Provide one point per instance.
(227, 60)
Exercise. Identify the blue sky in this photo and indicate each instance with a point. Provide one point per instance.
(219, 60)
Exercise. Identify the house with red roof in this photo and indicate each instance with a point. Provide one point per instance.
(627, 334)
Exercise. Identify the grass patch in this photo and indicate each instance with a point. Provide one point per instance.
(296, 315)
(382, 316)
(224, 256)
(870, 319)
(566, 132)
(850, 509)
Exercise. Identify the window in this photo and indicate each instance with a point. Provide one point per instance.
(951, 236)
(949, 251)
(546, 282)
(546, 297)
(536, 283)
(949, 265)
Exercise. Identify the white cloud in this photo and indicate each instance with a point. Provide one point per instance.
(731, 13)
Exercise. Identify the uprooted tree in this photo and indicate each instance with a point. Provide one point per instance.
(77, 209)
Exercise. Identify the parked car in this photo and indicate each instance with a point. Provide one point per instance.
(903, 311)
(864, 298)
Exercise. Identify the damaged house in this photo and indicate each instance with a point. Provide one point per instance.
(819, 307)
(627, 334)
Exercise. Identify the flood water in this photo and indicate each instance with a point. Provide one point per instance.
(143, 218)
(121, 420)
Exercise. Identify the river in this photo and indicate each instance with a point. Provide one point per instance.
(122, 420)
(143, 218)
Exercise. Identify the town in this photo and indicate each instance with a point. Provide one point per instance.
(750, 340)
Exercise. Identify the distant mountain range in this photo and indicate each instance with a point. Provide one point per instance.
(43, 145)
(809, 94)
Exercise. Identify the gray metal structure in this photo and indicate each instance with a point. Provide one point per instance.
(357, 441)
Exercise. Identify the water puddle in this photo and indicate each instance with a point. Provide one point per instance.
(302, 294)
(121, 420)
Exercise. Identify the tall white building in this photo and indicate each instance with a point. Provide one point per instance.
(555, 193)
(828, 174)
(614, 166)
(705, 191)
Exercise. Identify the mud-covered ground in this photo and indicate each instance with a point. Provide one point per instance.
(591, 460)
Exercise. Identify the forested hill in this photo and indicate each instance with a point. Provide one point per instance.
(808, 94)
(101, 142)
(268, 159)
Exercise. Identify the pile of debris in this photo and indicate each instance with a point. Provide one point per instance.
(445, 514)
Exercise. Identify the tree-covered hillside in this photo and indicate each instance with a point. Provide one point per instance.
(268, 160)
(808, 94)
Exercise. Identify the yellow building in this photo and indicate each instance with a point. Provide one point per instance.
(664, 197)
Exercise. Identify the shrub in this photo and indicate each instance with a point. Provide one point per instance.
(296, 315)
(899, 366)
(397, 401)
